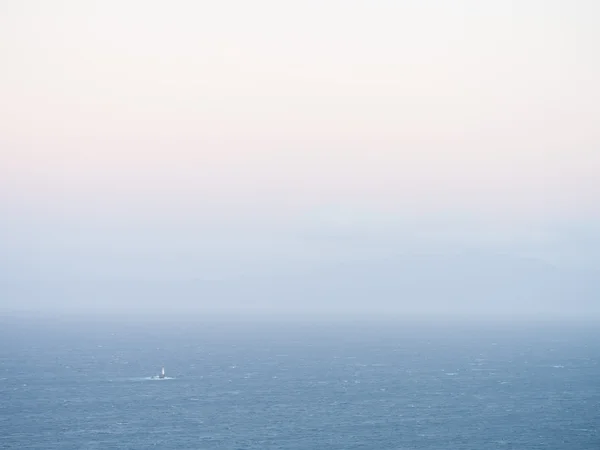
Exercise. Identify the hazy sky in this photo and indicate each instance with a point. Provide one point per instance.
(205, 140)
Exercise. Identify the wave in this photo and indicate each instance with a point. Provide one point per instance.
(152, 378)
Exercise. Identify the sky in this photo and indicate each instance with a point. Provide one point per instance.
(282, 156)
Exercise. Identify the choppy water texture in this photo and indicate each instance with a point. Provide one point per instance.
(342, 386)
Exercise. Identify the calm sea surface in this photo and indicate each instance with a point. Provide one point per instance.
(70, 385)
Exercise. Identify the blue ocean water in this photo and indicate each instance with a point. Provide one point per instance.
(392, 385)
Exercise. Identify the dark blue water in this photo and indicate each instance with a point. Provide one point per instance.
(293, 386)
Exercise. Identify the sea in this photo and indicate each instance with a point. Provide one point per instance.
(298, 384)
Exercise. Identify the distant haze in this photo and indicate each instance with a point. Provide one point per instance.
(332, 156)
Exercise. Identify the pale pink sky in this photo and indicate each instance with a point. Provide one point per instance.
(477, 106)
(382, 155)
